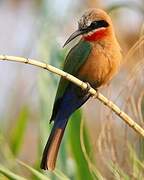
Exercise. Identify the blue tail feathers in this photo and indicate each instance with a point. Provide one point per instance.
(71, 100)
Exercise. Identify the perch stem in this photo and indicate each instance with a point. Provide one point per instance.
(81, 84)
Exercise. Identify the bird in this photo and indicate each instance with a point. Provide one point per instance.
(95, 59)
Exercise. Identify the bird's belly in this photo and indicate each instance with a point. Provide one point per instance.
(98, 69)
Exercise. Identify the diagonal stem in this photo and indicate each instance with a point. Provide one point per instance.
(81, 84)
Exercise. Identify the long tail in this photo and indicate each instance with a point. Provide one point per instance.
(51, 149)
(69, 103)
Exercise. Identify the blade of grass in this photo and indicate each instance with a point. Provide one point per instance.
(38, 174)
(60, 175)
(137, 164)
(19, 130)
(91, 164)
(6, 172)
(141, 140)
(118, 172)
(74, 138)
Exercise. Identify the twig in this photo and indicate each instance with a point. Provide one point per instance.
(81, 84)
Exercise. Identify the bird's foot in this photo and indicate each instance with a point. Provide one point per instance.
(88, 87)
(86, 91)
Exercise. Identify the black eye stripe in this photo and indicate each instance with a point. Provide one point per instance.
(98, 24)
(94, 25)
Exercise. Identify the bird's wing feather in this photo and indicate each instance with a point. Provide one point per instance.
(74, 60)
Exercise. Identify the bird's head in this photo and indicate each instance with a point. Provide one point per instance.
(94, 25)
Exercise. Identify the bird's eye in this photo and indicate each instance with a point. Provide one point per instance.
(98, 24)
(93, 24)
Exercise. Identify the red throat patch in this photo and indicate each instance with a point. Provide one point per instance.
(100, 34)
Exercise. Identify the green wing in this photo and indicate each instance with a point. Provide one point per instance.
(74, 60)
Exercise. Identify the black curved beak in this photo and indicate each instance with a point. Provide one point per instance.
(73, 36)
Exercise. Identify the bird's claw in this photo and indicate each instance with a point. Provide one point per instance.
(88, 88)
(86, 91)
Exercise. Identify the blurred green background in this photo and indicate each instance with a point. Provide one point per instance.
(97, 144)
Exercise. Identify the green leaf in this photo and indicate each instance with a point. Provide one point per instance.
(6, 172)
(74, 137)
(137, 165)
(19, 130)
(38, 174)
(60, 175)
(86, 147)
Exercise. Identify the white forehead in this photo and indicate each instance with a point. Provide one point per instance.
(88, 23)
(87, 18)
(85, 21)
